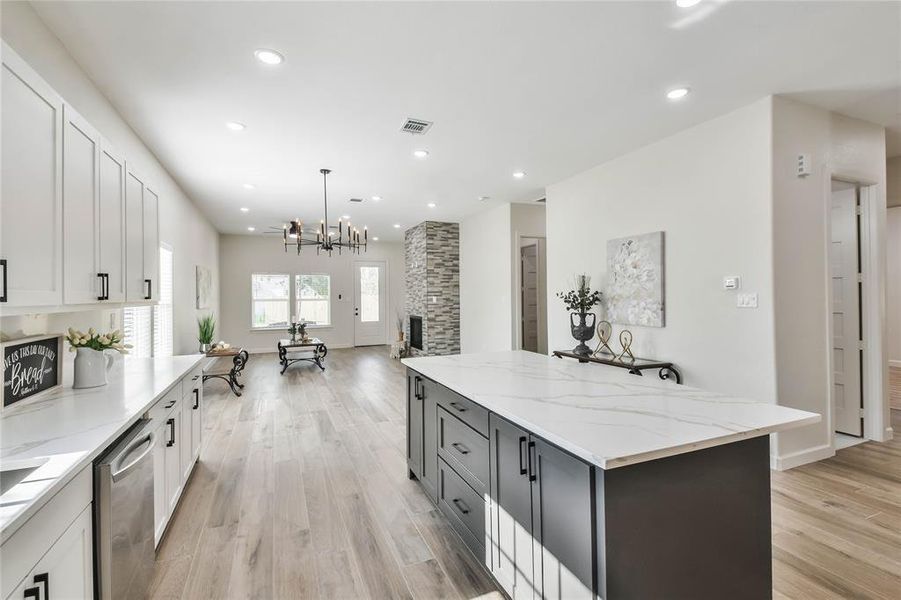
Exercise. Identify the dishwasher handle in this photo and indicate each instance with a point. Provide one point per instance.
(118, 471)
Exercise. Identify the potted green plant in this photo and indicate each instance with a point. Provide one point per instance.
(579, 301)
(206, 329)
(92, 362)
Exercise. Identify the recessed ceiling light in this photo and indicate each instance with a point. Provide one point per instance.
(397, 225)
(269, 57)
(421, 153)
(251, 229)
(375, 239)
(249, 186)
(431, 205)
(686, 3)
(376, 198)
(235, 126)
(677, 93)
(519, 174)
(245, 209)
(345, 217)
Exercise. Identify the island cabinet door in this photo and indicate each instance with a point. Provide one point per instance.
(562, 508)
(414, 424)
(511, 510)
(428, 394)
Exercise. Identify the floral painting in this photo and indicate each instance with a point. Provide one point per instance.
(204, 286)
(635, 280)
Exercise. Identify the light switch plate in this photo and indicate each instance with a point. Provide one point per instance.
(746, 300)
(732, 282)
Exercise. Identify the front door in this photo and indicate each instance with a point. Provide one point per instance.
(846, 352)
(370, 304)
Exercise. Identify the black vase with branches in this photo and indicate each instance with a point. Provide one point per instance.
(579, 301)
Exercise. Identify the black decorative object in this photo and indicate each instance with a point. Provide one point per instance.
(31, 366)
(666, 370)
(326, 239)
(579, 301)
(583, 331)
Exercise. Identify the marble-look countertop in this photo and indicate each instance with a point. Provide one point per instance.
(65, 430)
(605, 415)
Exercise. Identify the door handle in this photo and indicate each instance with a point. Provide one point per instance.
(43, 579)
(120, 472)
(171, 424)
(457, 407)
(106, 286)
(460, 448)
(461, 506)
(196, 399)
(417, 384)
(149, 283)
(3, 264)
(102, 296)
(32, 592)
(522, 461)
(532, 475)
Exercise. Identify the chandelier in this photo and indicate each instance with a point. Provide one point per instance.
(327, 237)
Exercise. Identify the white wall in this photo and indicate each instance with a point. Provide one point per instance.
(486, 305)
(243, 255)
(528, 221)
(893, 285)
(708, 189)
(893, 181)
(182, 226)
(838, 146)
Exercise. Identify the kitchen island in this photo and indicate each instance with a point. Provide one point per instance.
(575, 480)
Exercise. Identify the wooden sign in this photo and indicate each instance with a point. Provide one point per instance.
(31, 366)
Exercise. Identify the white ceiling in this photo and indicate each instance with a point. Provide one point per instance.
(548, 88)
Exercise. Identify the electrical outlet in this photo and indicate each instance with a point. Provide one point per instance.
(746, 300)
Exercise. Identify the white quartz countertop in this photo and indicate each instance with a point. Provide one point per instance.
(67, 429)
(603, 414)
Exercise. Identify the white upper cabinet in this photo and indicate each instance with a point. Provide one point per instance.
(112, 222)
(134, 237)
(30, 187)
(83, 282)
(151, 245)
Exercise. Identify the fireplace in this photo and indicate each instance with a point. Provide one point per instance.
(416, 332)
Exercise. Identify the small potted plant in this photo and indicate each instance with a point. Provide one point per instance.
(92, 362)
(579, 302)
(206, 329)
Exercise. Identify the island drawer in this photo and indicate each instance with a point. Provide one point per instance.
(464, 449)
(162, 407)
(464, 409)
(463, 507)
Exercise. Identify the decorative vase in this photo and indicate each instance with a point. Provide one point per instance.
(400, 336)
(582, 331)
(91, 367)
(204, 348)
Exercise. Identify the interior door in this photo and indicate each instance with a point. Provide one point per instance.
(370, 304)
(529, 278)
(846, 353)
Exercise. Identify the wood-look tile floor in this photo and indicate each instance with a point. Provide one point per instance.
(301, 492)
(894, 387)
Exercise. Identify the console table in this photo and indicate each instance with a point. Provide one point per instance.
(239, 360)
(634, 366)
(314, 346)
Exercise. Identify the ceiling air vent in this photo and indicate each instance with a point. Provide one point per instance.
(356, 199)
(416, 126)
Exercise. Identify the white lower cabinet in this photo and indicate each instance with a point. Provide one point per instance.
(51, 555)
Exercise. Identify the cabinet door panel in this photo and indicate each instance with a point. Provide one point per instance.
(112, 221)
(134, 238)
(160, 504)
(414, 424)
(151, 243)
(197, 409)
(429, 477)
(562, 516)
(30, 186)
(173, 460)
(511, 509)
(80, 219)
(186, 446)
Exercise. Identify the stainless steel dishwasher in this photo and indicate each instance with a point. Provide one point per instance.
(123, 515)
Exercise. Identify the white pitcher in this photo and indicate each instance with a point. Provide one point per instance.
(91, 367)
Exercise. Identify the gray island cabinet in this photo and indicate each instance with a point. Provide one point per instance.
(577, 481)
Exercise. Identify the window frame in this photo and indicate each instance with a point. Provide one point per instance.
(253, 300)
(328, 301)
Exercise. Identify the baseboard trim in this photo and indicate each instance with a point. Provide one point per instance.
(802, 457)
(895, 363)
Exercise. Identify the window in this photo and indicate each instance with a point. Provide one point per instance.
(149, 328)
(312, 297)
(269, 294)
(162, 312)
(369, 294)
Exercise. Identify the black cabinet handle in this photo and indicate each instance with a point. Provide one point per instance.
(532, 475)
(460, 448)
(43, 579)
(170, 405)
(171, 424)
(522, 460)
(102, 295)
(149, 283)
(461, 506)
(196, 399)
(417, 382)
(457, 407)
(3, 298)
(106, 284)
(32, 592)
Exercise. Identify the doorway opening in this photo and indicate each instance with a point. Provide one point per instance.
(370, 303)
(532, 295)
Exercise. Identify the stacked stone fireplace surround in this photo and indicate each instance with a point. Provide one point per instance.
(432, 258)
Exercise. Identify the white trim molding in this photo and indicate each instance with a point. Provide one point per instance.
(802, 457)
